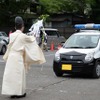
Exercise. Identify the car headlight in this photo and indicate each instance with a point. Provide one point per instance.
(89, 56)
(57, 56)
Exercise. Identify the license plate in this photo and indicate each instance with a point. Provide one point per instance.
(66, 67)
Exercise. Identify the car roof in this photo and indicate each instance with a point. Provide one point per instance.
(88, 32)
(49, 29)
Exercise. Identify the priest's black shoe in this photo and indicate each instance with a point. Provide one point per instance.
(18, 96)
(13, 96)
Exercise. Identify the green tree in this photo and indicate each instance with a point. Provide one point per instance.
(96, 12)
(60, 6)
(11, 8)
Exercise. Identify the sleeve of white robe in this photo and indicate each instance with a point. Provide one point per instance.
(33, 53)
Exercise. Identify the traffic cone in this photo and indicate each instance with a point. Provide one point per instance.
(59, 46)
(52, 46)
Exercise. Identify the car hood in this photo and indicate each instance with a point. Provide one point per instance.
(83, 51)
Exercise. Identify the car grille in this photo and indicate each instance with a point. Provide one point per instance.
(73, 59)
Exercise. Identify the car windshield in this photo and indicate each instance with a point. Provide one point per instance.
(3, 34)
(82, 41)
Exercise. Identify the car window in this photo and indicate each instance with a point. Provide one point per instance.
(51, 33)
(82, 41)
(3, 34)
(0, 34)
(94, 39)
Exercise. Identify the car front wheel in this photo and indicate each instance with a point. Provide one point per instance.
(96, 71)
(57, 72)
(3, 50)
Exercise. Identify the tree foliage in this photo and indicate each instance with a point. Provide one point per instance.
(11, 8)
(60, 6)
(96, 12)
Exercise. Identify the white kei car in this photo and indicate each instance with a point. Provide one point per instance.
(80, 53)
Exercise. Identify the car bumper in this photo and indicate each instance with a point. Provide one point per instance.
(75, 67)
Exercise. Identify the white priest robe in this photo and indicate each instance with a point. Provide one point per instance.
(23, 52)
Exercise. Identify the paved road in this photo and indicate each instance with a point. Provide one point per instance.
(42, 84)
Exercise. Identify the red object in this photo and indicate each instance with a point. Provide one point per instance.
(10, 33)
(59, 46)
(52, 46)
